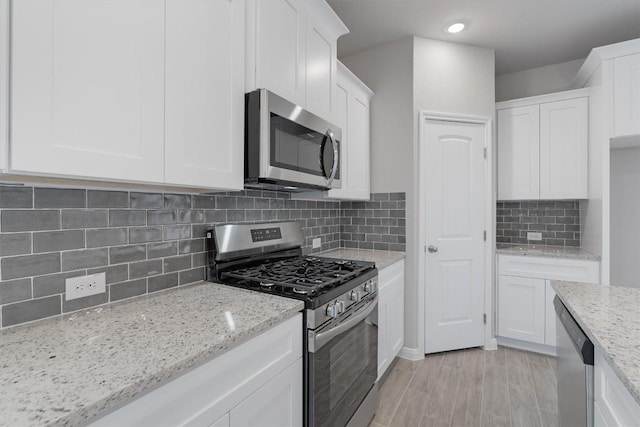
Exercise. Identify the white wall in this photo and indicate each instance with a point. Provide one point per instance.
(625, 217)
(387, 71)
(537, 81)
(407, 76)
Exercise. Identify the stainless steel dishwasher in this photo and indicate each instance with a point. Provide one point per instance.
(575, 371)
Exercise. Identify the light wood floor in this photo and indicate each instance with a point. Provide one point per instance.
(472, 387)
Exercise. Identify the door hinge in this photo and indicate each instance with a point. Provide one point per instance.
(485, 318)
(485, 152)
(485, 235)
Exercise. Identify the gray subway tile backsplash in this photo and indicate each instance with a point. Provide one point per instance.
(30, 220)
(147, 242)
(107, 199)
(16, 197)
(59, 198)
(557, 220)
(53, 241)
(26, 311)
(29, 265)
(15, 244)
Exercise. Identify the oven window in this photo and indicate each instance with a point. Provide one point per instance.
(298, 148)
(345, 370)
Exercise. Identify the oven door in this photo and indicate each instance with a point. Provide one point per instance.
(342, 366)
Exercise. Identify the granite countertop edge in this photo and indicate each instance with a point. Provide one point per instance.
(39, 409)
(632, 388)
(382, 259)
(154, 381)
(546, 251)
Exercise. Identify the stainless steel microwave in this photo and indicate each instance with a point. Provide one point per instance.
(288, 148)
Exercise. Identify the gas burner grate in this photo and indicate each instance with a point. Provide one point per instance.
(301, 275)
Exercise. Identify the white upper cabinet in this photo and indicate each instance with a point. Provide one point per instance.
(143, 91)
(518, 153)
(87, 88)
(626, 95)
(352, 114)
(275, 43)
(543, 146)
(292, 51)
(204, 99)
(563, 149)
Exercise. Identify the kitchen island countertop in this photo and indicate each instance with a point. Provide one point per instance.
(609, 317)
(546, 251)
(381, 258)
(67, 370)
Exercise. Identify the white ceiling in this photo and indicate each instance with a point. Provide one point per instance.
(524, 33)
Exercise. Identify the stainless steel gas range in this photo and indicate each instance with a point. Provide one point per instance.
(341, 310)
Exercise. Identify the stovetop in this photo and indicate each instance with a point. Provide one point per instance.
(267, 257)
(307, 278)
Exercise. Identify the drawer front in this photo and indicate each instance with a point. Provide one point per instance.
(571, 270)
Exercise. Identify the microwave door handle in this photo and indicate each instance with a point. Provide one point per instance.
(324, 337)
(321, 158)
(336, 157)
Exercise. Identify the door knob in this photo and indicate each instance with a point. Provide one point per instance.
(432, 248)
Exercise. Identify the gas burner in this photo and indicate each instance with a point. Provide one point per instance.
(267, 285)
(306, 281)
(300, 291)
(342, 262)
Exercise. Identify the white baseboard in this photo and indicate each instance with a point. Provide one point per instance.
(411, 353)
(528, 346)
(491, 345)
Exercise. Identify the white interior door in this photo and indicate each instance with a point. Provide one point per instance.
(455, 223)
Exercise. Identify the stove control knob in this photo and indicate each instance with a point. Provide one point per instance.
(356, 296)
(370, 286)
(332, 310)
(340, 306)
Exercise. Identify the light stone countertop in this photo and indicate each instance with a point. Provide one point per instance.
(381, 258)
(66, 370)
(546, 251)
(610, 316)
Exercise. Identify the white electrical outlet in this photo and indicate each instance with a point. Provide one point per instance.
(83, 286)
(534, 236)
(317, 243)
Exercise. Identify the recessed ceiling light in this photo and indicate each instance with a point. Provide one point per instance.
(455, 28)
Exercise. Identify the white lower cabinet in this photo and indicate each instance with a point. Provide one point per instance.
(258, 383)
(390, 314)
(278, 403)
(525, 296)
(522, 308)
(614, 405)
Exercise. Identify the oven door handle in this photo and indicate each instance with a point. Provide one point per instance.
(323, 338)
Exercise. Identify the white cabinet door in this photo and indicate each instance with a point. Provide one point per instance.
(521, 303)
(352, 114)
(518, 153)
(383, 341)
(390, 314)
(276, 46)
(550, 315)
(277, 404)
(563, 149)
(320, 69)
(204, 93)
(87, 88)
(627, 95)
(616, 406)
(359, 141)
(395, 319)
